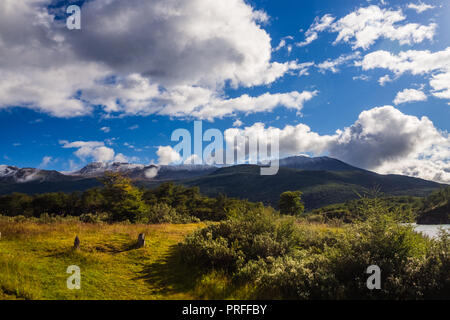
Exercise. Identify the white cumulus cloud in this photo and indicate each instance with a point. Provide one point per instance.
(319, 25)
(435, 65)
(94, 150)
(45, 161)
(151, 173)
(385, 79)
(136, 57)
(238, 123)
(167, 155)
(409, 95)
(364, 26)
(420, 7)
(332, 65)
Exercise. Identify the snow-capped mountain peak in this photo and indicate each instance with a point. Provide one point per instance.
(7, 171)
(145, 172)
(99, 168)
(24, 175)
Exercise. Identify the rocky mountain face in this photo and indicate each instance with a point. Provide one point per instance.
(142, 172)
(97, 169)
(10, 174)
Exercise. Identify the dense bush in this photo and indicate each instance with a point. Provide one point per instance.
(412, 267)
(291, 203)
(94, 218)
(282, 260)
(163, 213)
(244, 237)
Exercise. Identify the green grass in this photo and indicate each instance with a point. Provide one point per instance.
(34, 259)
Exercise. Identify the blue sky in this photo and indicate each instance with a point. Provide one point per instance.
(120, 98)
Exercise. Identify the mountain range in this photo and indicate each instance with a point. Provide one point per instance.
(322, 180)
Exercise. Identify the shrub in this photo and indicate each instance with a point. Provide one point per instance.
(430, 276)
(291, 203)
(378, 241)
(163, 213)
(233, 243)
(93, 218)
(283, 260)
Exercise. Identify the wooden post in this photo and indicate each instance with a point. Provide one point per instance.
(76, 243)
(141, 240)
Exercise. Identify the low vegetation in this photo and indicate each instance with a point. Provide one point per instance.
(34, 256)
(216, 248)
(281, 259)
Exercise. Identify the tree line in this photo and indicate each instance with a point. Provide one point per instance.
(119, 200)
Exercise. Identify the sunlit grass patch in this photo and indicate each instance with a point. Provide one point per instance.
(34, 259)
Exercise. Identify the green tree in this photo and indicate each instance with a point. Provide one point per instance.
(124, 201)
(16, 204)
(93, 201)
(51, 203)
(291, 203)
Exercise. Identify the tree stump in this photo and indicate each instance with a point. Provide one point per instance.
(141, 240)
(76, 243)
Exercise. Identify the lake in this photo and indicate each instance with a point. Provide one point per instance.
(431, 230)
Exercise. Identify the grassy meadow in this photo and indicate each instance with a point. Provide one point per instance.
(34, 258)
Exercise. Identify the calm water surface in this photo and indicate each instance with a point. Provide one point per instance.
(431, 230)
